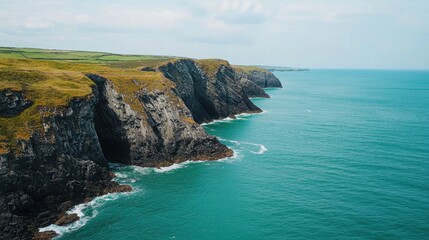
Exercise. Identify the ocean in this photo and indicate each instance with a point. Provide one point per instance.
(337, 154)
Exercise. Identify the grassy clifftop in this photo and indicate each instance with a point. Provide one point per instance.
(249, 69)
(51, 85)
(50, 79)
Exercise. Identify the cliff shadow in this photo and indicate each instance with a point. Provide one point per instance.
(111, 135)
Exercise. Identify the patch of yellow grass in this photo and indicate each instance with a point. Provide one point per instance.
(248, 69)
(211, 66)
(189, 120)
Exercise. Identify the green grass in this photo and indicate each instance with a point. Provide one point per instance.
(211, 66)
(72, 56)
(249, 69)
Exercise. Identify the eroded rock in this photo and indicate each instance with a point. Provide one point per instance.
(12, 103)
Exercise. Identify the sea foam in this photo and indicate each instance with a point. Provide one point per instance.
(241, 116)
(85, 211)
(261, 148)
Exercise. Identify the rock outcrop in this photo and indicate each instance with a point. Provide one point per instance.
(259, 76)
(159, 131)
(12, 103)
(208, 88)
(252, 90)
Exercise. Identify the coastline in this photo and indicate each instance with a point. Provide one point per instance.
(108, 113)
(79, 209)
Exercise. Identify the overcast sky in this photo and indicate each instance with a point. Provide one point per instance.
(297, 33)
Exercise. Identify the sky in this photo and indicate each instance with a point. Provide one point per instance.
(382, 34)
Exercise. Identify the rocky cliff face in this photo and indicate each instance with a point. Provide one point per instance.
(208, 88)
(252, 90)
(260, 77)
(160, 133)
(12, 103)
(55, 168)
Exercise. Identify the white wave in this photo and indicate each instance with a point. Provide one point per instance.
(85, 211)
(176, 166)
(308, 110)
(169, 168)
(262, 149)
(142, 170)
(231, 141)
(121, 175)
(240, 116)
(223, 120)
(235, 155)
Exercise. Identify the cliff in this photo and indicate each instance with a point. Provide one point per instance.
(61, 123)
(261, 77)
(208, 88)
(252, 90)
(54, 169)
(151, 128)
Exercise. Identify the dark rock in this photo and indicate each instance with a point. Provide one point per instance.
(208, 96)
(160, 132)
(67, 219)
(45, 235)
(119, 189)
(62, 162)
(12, 103)
(262, 78)
(148, 69)
(65, 206)
(252, 90)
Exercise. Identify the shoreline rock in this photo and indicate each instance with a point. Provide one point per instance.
(67, 219)
(45, 235)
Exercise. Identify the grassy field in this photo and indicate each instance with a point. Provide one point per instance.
(74, 56)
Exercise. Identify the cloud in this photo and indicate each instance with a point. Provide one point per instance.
(143, 17)
(304, 32)
(237, 11)
(326, 11)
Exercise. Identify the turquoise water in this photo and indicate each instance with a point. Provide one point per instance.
(337, 155)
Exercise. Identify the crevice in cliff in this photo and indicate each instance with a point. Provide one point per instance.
(113, 141)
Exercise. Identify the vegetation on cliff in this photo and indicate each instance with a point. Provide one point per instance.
(50, 79)
(249, 69)
(51, 85)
